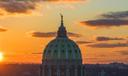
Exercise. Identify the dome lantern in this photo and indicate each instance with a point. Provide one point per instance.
(62, 32)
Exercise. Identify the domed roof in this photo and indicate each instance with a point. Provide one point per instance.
(62, 50)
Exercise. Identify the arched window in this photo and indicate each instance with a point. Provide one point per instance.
(75, 50)
(56, 45)
(49, 51)
(62, 45)
(63, 51)
(70, 51)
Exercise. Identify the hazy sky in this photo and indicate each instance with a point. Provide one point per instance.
(98, 26)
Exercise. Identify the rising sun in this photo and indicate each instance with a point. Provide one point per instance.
(1, 56)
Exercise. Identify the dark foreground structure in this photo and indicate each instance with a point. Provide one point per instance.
(113, 69)
(62, 56)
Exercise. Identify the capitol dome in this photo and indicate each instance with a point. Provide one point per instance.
(62, 56)
(62, 50)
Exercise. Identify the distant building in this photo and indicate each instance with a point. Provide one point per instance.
(62, 56)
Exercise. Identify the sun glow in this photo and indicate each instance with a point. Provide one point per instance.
(1, 56)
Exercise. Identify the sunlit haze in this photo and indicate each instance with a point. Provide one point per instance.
(1, 56)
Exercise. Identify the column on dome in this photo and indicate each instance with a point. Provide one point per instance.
(59, 55)
(66, 56)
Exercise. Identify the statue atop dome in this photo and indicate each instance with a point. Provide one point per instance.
(62, 19)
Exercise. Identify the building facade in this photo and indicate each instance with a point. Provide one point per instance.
(62, 56)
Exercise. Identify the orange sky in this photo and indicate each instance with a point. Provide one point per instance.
(17, 25)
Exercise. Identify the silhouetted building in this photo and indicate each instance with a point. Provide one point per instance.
(62, 56)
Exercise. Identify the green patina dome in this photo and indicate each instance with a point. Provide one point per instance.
(62, 50)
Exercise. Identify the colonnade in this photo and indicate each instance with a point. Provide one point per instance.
(55, 70)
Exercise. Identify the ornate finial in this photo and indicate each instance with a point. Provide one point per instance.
(61, 16)
(62, 22)
(62, 30)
